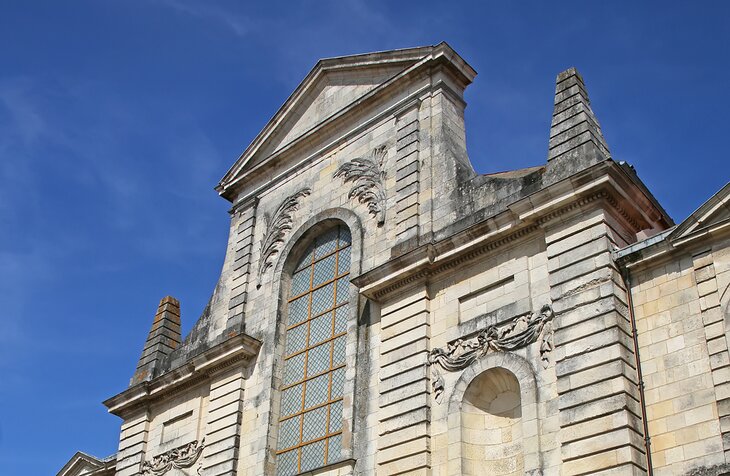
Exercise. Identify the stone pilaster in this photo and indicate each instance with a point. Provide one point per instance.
(222, 432)
(245, 219)
(600, 414)
(407, 175)
(717, 345)
(404, 443)
(445, 161)
(133, 444)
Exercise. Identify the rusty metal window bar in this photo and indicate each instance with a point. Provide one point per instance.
(310, 421)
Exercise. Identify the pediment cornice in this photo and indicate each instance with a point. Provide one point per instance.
(413, 61)
(85, 464)
(714, 212)
(711, 219)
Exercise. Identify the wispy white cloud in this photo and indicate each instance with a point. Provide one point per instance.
(237, 24)
(97, 154)
(28, 124)
(21, 272)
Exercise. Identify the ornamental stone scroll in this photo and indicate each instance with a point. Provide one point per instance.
(278, 226)
(368, 175)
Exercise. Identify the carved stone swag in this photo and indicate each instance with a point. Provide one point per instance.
(520, 332)
(182, 457)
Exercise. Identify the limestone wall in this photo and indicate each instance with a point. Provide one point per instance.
(494, 290)
(681, 317)
(529, 298)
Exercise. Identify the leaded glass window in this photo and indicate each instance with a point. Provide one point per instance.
(310, 424)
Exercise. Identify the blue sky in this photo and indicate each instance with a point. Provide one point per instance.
(117, 118)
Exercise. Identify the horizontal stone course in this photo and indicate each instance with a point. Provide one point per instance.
(390, 371)
(586, 417)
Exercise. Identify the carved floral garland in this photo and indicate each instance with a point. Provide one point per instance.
(521, 332)
(183, 457)
(277, 227)
(368, 175)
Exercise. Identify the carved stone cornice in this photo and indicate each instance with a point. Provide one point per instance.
(520, 332)
(278, 226)
(636, 223)
(604, 185)
(368, 175)
(429, 270)
(181, 457)
(199, 368)
(580, 202)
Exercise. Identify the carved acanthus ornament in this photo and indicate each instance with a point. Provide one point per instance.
(520, 332)
(368, 176)
(278, 226)
(182, 457)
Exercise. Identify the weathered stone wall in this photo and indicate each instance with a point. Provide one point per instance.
(599, 402)
(515, 271)
(681, 317)
(387, 383)
(494, 290)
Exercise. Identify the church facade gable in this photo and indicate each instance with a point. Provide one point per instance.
(383, 309)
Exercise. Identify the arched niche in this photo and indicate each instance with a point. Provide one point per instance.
(493, 427)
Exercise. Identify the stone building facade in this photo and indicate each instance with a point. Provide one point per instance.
(383, 309)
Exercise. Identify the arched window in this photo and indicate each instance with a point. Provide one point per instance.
(310, 422)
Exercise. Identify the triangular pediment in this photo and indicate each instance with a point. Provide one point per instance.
(332, 92)
(714, 211)
(80, 464)
(334, 88)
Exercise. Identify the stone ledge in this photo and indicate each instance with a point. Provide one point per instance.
(201, 366)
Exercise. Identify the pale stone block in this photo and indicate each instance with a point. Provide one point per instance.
(410, 464)
(414, 446)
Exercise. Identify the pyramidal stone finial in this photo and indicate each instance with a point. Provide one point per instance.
(574, 130)
(164, 337)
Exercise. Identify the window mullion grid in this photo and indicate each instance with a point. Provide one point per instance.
(306, 360)
(327, 402)
(324, 283)
(330, 341)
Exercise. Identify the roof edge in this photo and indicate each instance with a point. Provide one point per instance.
(417, 55)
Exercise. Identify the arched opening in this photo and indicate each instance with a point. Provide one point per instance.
(491, 425)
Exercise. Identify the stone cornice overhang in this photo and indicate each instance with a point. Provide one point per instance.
(664, 246)
(198, 368)
(606, 182)
(439, 57)
(692, 234)
(81, 461)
